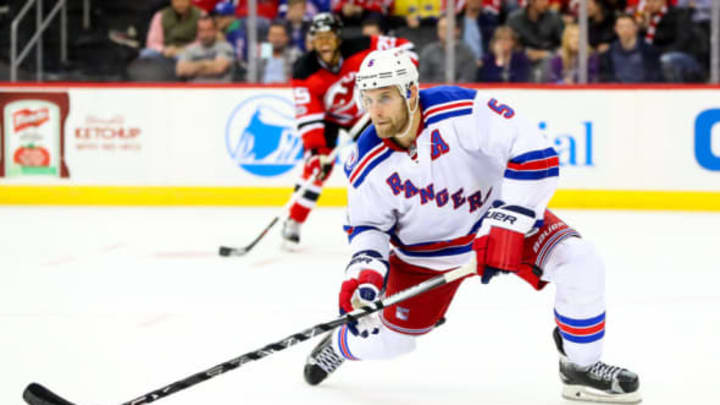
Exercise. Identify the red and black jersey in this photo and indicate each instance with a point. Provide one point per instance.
(324, 97)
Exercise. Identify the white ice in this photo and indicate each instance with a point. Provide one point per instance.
(105, 304)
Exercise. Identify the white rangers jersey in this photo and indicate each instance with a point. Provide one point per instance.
(428, 202)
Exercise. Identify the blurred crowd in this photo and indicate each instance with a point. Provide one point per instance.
(538, 41)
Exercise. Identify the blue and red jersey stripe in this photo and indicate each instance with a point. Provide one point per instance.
(535, 165)
(443, 102)
(455, 246)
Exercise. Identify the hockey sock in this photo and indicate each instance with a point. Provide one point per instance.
(579, 276)
(384, 345)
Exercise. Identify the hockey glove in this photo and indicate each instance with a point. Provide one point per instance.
(361, 288)
(320, 163)
(501, 250)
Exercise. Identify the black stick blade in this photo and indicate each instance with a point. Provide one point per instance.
(36, 394)
(225, 251)
(229, 251)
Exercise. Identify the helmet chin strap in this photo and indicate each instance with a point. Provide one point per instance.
(411, 115)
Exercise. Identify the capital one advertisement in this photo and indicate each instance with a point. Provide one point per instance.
(618, 139)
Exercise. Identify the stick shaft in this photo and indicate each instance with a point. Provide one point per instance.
(304, 335)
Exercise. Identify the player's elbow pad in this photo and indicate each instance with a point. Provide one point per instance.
(508, 226)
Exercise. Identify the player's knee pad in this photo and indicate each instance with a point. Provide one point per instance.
(577, 270)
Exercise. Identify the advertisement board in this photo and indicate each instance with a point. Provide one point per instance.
(239, 145)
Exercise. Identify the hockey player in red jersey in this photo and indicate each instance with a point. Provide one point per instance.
(323, 83)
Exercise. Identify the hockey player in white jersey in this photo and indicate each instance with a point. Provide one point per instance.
(443, 174)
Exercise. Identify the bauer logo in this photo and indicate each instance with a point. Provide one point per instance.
(707, 139)
(260, 136)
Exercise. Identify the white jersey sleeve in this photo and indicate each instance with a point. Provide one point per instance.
(531, 164)
(370, 218)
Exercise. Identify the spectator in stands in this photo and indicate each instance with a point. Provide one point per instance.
(310, 8)
(267, 11)
(601, 25)
(700, 14)
(701, 11)
(232, 28)
(297, 23)
(564, 67)
(208, 60)
(539, 30)
(504, 61)
(417, 12)
(502, 8)
(224, 14)
(567, 9)
(371, 26)
(433, 55)
(172, 29)
(472, 30)
(275, 65)
(617, 7)
(629, 59)
(206, 5)
(671, 31)
(353, 12)
(415, 20)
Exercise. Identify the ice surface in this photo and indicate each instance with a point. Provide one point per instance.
(105, 304)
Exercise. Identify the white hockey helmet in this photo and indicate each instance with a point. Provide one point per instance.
(391, 67)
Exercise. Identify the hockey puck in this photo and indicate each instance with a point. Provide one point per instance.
(225, 251)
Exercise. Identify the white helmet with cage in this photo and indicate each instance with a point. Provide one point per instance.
(391, 67)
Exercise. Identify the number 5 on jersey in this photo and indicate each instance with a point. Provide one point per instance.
(501, 109)
(302, 95)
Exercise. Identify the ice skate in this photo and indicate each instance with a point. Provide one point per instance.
(599, 382)
(322, 361)
(290, 235)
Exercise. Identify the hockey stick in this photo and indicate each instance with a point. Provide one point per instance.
(354, 132)
(36, 394)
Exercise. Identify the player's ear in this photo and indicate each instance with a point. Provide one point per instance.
(413, 94)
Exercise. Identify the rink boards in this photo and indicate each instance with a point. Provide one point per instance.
(619, 147)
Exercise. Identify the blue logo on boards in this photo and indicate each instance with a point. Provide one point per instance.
(260, 136)
(574, 148)
(704, 154)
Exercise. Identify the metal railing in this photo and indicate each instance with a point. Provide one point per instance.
(715, 43)
(41, 24)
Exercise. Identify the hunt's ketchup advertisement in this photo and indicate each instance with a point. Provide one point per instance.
(33, 134)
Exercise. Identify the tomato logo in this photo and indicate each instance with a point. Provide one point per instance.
(31, 155)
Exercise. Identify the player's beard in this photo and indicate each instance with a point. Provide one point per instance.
(393, 127)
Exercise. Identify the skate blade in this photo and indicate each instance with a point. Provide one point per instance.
(290, 246)
(586, 394)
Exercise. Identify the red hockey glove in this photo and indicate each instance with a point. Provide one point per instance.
(501, 250)
(318, 161)
(362, 287)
